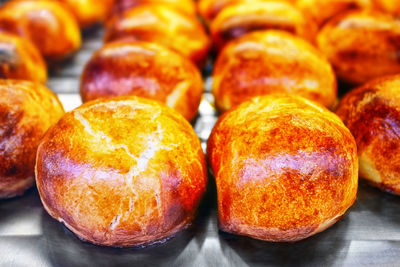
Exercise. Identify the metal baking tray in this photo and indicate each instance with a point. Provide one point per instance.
(369, 234)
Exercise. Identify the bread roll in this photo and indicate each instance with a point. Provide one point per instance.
(362, 45)
(163, 25)
(126, 171)
(88, 12)
(322, 11)
(185, 6)
(372, 114)
(267, 62)
(240, 18)
(27, 110)
(46, 23)
(285, 168)
(389, 6)
(143, 69)
(20, 60)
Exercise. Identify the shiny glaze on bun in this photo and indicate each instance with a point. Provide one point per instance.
(185, 6)
(163, 25)
(120, 172)
(27, 110)
(285, 168)
(20, 60)
(46, 23)
(143, 69)
(267, 62)
(238, 19)
(362, 45)
(372, 113)
(88, 12)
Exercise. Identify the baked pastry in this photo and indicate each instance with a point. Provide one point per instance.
(27, 110)
(372, 114)
(46, 23)
(187, 7)
(389, 6)
(143, 69)
(362, 45)
(88, 12)
(267, 62)
(322, 11)
(238, 19)
(163, 25)
(19, 59)
(285, 168)
(125, 171)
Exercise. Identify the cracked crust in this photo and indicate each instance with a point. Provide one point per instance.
(146, 70)
(126, 171)
(27, 110)
(49, 26)
(372, 114)
(268, 62)
(285, 168)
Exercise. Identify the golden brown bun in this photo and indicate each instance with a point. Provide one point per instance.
(27, 110)
(88, 12)
(185, 6)
(163, 25)
(125, 171)
(46, 23)
(372, 114)
(362, 45)
(241, 18)
(20, 60)
(389, 6)
(271, 62)
(143, 69)
(322, 11)
(285, 168)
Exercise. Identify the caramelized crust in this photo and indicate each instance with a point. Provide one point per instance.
(187, 7)
(267, 62)
(88, 12)
(372, 114)
(322, 11)
(163, 25)
(362, 45)
(27, 110)
(46, 23)
(20, 60)
(241, 18)
(285, 168)
(126, 171)
(146, 70)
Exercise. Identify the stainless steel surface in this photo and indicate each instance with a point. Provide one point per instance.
(368, 235)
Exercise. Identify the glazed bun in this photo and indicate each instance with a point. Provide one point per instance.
(163, 25)
(241, 18)
(143, 69)
(362, 45)
(267, 62)
(88, 12)
(125, 171)
(322, 11)
(372, 114)
(187, 7)
(46, 23)
(285, 168)
(20, 60)
(27, 110)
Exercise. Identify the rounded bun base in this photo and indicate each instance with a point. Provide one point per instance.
(12, 188)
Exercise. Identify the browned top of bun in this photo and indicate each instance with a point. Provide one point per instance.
(88, 12)
(143, 69)
(27, 110)
(362, 45)
(19, 59)
(46, 23)
(285, 168)
(161, 24)
(390, 6)
(270, 62)
(186, 6)
(122, 171)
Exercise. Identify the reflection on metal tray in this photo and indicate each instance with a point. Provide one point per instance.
(368, 235)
